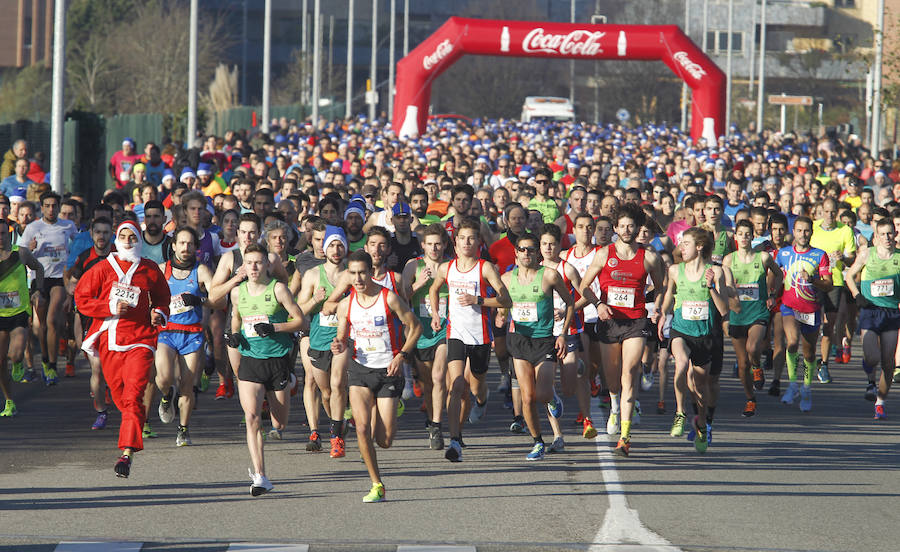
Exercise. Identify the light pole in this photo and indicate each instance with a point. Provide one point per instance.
(267, 65)
(57, 121)
(760, 97)
(390, 91)
(684, 86)
(373, 70)
(192, 79)
(317, 62)
(728, 76)
(875, 140)
(348, 104)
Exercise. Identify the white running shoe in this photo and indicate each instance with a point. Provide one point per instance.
(792, 394)
(260, 483)
(477, 412)
(646, 378)
(612, 423)
(504, 384)
(167, 407)
(558, 445)
(408, 392)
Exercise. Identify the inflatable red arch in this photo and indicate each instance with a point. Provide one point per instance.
(493, 37)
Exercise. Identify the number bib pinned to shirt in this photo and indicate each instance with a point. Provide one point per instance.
(882, 288)
(328, 321)
(524, 312)
(177, 306)
(807, 318)
(125, 293)
(695, 310)
(425, 308)
(10, 300)
(620, 297)
(249, 324)
(748, 292)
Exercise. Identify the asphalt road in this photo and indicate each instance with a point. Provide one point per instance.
(783, 480)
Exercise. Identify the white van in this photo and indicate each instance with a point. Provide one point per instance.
(548, 108)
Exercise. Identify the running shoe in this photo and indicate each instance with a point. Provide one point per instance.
(759, 379)
(880, 413)
(478, 410)
(589, 431)
(636, 413)
(18, 371)
(70, 370)
(276, 434)
(749, 409)
(792, 394)
(677, 425)
(462, 443)
(595, 388)
(537, 452)
(775, 388)
(845, 353)
(337, 447)
(295, 385)
(735, 371)
(896, 378)
(579, 419)
(417, 389)
(221, 392)
(401, 407)
(661, 407)
(204, 382)
(376, 494)
(555, 407)
(50, 375)
(167, 406)
(182, 437)
(605, 400)
(834, 352)
(646, 378)
(517, 425)
(10, 410)
(454, 451)
(709, 434)
(823, 375)
(871, 391)
(558, 445)
(805, 399)
(260, 484)
(504, 384)
(507, 399)
(148, 432)
(29, 376)
(123, 466)
(315, 442)
(700, 440)
(229, 388)
(100, 422)
(612, 423)
(623, 447)
(435, 438)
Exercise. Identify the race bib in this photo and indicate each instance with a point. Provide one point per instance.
(748, 292)
(10, 300)
(524, 312)
(882, 288)
(808, 318)
(329, 321)
(620, 297)
(177, 306)
(249, 323)
(56, 254)
(425, 308)
(125, 293)
(463, 288)
(695, 310)
(717, 259)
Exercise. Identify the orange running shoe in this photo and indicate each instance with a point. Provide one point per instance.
(759, 379)
(337, 447)
(417, 389)
(589, 430)
(623, 447)
(750, 409)
(70, 370)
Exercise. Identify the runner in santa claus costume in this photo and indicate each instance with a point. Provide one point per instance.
(128, 299)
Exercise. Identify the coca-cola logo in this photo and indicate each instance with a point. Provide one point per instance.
(439, 53)
(621, 275)
(692, 68)
(576, 43)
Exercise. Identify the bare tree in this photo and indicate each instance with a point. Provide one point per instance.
(89, 71)
(223, 90)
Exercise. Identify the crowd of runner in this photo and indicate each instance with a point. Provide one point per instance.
(357, 271)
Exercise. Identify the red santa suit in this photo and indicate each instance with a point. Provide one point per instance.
(125, 344)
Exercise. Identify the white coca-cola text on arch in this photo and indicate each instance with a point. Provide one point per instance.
(577, 43)
(442, 50)
(694, 69)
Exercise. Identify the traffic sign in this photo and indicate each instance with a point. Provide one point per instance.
(790, 100)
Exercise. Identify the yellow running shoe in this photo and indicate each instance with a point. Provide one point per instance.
(376, 494)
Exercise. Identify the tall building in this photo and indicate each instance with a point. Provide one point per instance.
(27, 32)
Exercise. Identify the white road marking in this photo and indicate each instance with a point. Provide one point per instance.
(622, 530)
(88, 546)
(434, 548)
(262, 547)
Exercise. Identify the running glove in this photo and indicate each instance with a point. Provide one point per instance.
(264, 329)
(191, 300)
(232, 340)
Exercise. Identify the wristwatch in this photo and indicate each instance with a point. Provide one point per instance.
(479, 300)
(406, 356)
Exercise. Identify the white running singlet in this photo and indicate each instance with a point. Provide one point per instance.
(468, 324)
(581, 264)
(389, 281)
(52, 244)
(376, 331)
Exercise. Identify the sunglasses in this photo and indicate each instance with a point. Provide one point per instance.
(542, 181)
(529, 249)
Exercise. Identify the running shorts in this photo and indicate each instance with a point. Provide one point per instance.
(376, 380)
(533, 350)
(477, 355)
(879, 319)
(617, 330)
(273, 373)
(183, 343)
(809, 321)
(10, 323)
